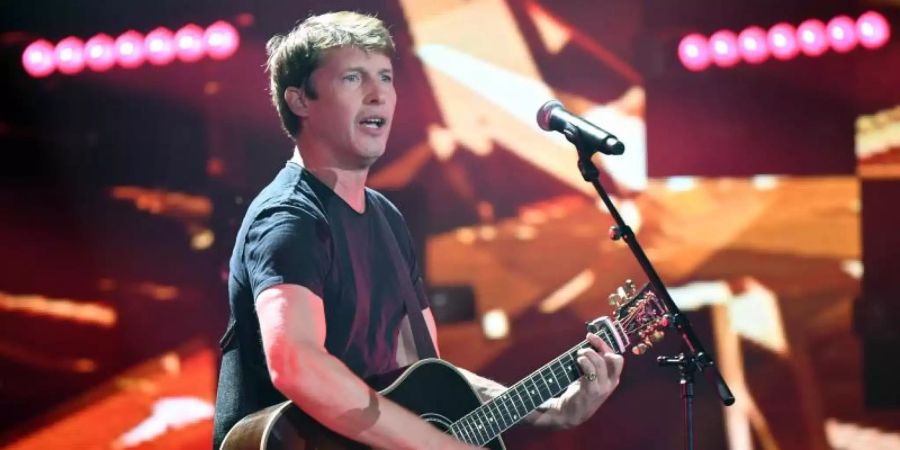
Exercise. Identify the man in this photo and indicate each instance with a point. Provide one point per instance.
(317, 283)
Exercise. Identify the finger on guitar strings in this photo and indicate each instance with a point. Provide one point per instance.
(591, 362)
(599, 344)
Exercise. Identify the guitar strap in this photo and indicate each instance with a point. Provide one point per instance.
(411, 290)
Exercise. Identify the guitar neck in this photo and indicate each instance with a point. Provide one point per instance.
(486, 422)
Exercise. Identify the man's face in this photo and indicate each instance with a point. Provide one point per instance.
(351, 118)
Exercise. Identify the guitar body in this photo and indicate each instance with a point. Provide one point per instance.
(431, 388)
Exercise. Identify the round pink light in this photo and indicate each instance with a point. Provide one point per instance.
(723, 47)
(221, 40)
(782, 41)
(693, 51)
(873, 30)
(38, 59)
(752, 45)
(70, 55)
(841, 32)
(130, 49)
(159, 46)
(99, 53)
(189, 46)
(811, 37)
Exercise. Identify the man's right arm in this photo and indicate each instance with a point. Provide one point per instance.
(292, 323)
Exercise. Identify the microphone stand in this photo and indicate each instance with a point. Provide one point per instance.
(694, 358)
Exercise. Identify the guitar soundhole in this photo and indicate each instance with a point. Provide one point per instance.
(438, 421)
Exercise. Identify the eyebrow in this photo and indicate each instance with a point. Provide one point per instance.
(361, 69)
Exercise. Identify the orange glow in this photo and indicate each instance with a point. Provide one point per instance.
(165, 203)
(878, 144)
(568, 292)
(158, 291)
(554, 33)
(557, 207)
(92, 313)
(202, 239)
(113, 415)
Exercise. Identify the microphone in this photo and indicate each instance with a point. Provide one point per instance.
(553, 116)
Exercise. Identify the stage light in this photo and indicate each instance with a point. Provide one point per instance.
(782, 41)
(752, 45)
(811, 37)
(159, 46)
(189, 45)
(723, 47)
(38, 59)
(841, 32)
(99, 53)
(69, 54)
(202, 239)
(221, 40)
(495, 324)
(873, 30)
(694, 52)
(130, 49)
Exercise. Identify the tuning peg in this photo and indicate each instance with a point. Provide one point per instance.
(657, 335)
(630, 288)
(615, 299)
(639, 349)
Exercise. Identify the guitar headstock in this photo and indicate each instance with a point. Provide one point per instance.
(639, 315)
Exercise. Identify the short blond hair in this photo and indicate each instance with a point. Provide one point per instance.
(293, 57)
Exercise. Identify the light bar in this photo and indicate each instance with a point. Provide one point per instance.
(783, 41)
(130, 49)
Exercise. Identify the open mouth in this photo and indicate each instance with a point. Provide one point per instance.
(373, 122)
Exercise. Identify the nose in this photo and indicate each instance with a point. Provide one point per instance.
(377, 93)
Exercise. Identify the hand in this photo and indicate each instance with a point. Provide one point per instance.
(601, 370)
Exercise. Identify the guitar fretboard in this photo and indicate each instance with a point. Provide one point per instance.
(486, 422)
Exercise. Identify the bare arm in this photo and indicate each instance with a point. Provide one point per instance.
(292, 323)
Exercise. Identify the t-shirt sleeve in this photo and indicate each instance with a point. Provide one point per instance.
(288, 247)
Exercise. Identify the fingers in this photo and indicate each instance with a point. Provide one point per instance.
(598, 343)
(589, 375)
(606, 363)
(615, 361)
(615, 364)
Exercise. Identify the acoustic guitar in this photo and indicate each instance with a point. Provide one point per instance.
(436, 391)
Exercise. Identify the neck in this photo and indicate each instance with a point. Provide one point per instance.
(348, 184)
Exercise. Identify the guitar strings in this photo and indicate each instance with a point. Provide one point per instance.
(494, 404)
(630, 324)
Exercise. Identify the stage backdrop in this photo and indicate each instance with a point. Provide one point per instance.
(122, 192)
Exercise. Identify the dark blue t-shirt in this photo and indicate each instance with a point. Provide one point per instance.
(298, 231)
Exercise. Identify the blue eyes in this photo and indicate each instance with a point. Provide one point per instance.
(355, 77)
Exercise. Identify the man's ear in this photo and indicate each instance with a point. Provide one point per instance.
(297, 101)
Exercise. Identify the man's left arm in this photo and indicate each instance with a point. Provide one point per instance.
(579, 401)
